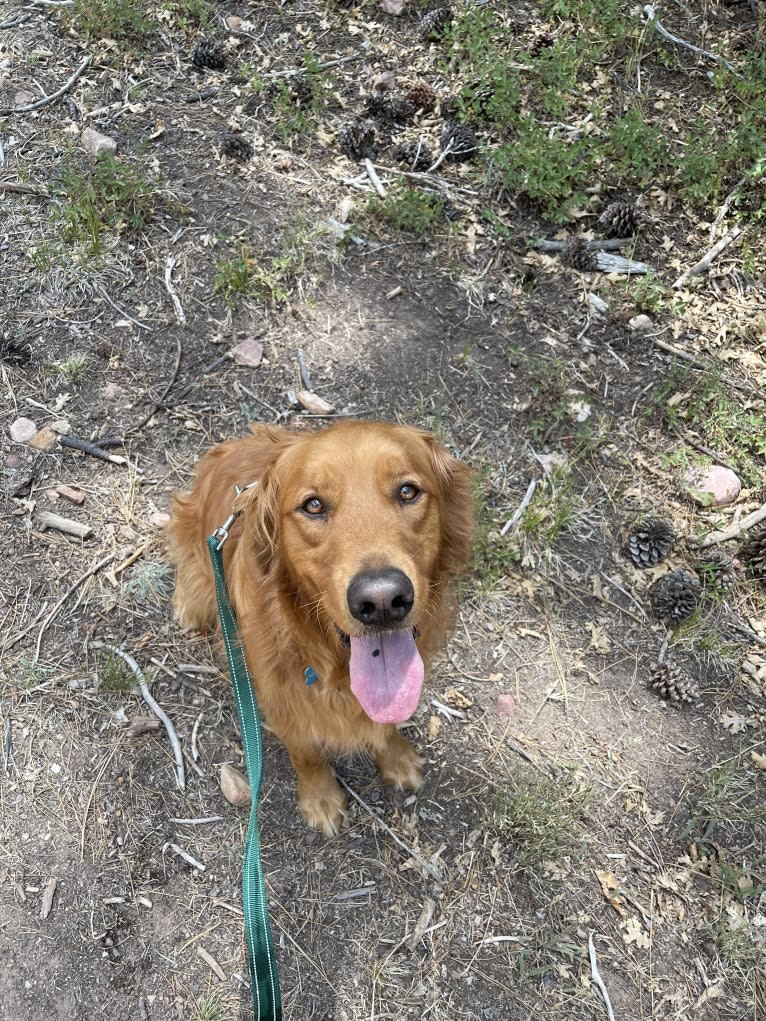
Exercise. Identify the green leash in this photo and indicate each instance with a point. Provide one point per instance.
(267, 999)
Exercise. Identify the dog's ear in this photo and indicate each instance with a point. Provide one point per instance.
(457, 486)
(260, 505)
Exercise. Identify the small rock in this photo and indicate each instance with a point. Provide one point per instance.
(96, 144)
(233, 23)
(45, 439)
(249, 352)
(715, 486)
(61, 426)
(313, 403)
(22, 430)
(75, 496)
(505, 705)
(112, 392)
(51, 495)
(159, 519)
(640, 323)
(384, 82)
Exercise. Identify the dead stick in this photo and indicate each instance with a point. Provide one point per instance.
(521, 508)
(421, 861)
(73, 588)
(53, 96)
(46, 519)
(651, 15)
(171, 383)
(707, 260)
(153, 705)
(169, 267)
(24, 189)
(735, 530)
(595, 974)
(86, 447)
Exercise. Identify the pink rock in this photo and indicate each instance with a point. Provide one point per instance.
(22, 430)
(715, 486)
(505, 705)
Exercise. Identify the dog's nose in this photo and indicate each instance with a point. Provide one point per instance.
(378, 598)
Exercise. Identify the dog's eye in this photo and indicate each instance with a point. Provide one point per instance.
(408, 492)
(313, 506)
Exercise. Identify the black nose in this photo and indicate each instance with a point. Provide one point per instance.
(380, 597)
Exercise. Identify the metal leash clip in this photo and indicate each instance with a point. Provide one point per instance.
(222, 532)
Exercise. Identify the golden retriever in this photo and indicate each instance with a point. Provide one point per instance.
(339, 569)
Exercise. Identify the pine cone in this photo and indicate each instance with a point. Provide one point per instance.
(301, 90)
(461, 141)
(236, 146)
(672, 683)
(210, 53)
(650, 542)
(718, 570)
(415, 157)
(676, 595)
(433, 24)
(541, 41)
(449, 108)
(390, 109)
(576, 254)
(620, 220)
(357, 140)
(752, 554)
(422, 96)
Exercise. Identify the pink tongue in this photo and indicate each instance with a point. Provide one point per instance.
(387, 675)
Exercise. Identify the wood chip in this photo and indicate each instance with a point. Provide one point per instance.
(49, 891)
(311, 402)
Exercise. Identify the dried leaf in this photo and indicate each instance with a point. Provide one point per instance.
(599, 639)
(759, 759)
(610, 887)
(395, 7)
(456, 697)
(734, 724)
(633, 932)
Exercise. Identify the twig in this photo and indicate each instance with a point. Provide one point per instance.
(122, 312)
(707, 260)
(602, 245)
(156, 709)
(421, 861)
(595, 974)
(650, 13)
(211, 962)
(303, 369)
(445, 153)
(521, 508)
(627, 595)
(725, 205)
(86, 447)
(187, 857)
(376, 181)
(197, 822)
(24, 189)
(731, 533)
(169, 267)
(609, 263)
(73, 588)
(54, 95)
(171, 383)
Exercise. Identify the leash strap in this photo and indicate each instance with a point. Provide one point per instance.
(267, 999)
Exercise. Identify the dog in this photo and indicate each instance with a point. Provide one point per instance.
(340, 569)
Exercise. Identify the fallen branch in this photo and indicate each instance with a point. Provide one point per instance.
(94, 450)
(169, 267)
(156, 709)
(731, 533)
(608, 263)
(725, 206)
(603, 245)
(376, 181)
(72, 589)
(651, 15)
(24, 189)
(521, 508)
(53, 96)
(595, 974)
(122, 312)
(707, 260)
(170, 384)
(47, 519)
(421, 861)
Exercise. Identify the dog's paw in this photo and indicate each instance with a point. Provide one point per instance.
(323, 806)
(399, 765)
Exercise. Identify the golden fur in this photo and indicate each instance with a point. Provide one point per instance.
(288, 573)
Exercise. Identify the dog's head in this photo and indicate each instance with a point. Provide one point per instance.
(366, 522)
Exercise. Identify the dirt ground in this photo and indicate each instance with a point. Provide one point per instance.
(645, 830)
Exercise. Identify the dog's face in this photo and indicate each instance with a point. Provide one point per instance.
(365, 520)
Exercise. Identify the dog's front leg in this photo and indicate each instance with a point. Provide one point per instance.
(398, 762)
(320, 798)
